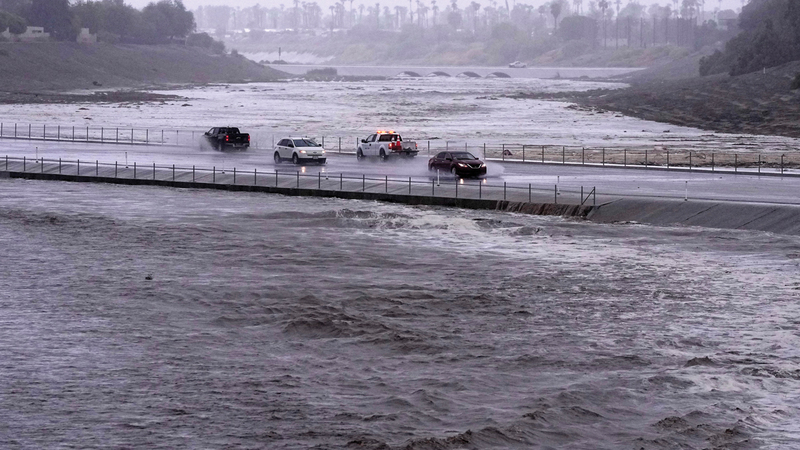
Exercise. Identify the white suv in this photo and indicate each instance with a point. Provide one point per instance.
(299, 150)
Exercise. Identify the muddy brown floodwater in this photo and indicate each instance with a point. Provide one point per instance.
(143, 317)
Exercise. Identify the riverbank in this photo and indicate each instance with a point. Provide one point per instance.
(757, 103)
(47, 72)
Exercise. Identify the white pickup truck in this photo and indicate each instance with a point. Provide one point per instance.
(385, 144)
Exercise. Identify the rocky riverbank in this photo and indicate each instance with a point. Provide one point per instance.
(757, 103)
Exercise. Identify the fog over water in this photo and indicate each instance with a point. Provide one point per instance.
(160, 318)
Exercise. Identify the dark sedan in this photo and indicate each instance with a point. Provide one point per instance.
(460, 164)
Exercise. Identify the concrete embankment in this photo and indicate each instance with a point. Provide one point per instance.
(782, 219)
(444, 198)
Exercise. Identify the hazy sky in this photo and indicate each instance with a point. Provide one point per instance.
(710, 5)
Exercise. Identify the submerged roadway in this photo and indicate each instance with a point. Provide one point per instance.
(610, 182)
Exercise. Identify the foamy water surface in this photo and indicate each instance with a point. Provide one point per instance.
(158, 318)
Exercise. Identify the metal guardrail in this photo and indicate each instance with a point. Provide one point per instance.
(458, 188)
(651, 157)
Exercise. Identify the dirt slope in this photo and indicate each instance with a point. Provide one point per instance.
(757, 103)
(58, 66)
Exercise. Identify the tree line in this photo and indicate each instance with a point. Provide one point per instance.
(473, 17)
(112, 20)
(770, 36)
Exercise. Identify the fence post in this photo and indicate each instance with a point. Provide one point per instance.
(341, 181)
(102, 134)
(131, 135)
(78, 171)
(386, 190)
(193, 174)
(117, 138)
(645, 159)
(504, 152)
(73, 132)
(735, 162)
(298, 179)
(604, 156)
(319, 180)
(234, 175)
(154, 171)
(58, 136)
(409, 185)
(134, 170)
(690, 160)
(480, 188)
(115, 169)
(667, 159)
(29, 131)
(523, 152)
(173, 173)
(147, 136)
(323, 141)
(543, 154)
(563, 155)
(276, 177)
(44, 132)
(255, 177)
(555, 193)
(583, 156)
(529, 192)
(712, 161)
(177, 137)
(759, 163)
(59, 164)
(340, 145)
(456, 187)
(433, 187)
(363, 182)
(214, 175)
(87, 134)
(781, 164)
(23, 164)
(504, 190)
(96, 168)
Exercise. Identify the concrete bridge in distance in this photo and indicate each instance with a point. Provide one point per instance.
(459, 71)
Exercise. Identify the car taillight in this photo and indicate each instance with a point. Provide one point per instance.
(227, 138)
(248, 138)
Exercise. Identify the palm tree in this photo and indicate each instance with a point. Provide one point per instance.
(435, 10)
(296, 11)
(360, 12)
(578, 6)
(555, 10)
(603, 6)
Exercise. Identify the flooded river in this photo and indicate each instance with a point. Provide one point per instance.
(144, 317)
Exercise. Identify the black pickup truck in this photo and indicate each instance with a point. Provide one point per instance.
(221, 137)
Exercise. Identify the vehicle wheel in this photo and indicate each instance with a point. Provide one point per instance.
(295, 159)
(359, 155)
(277, 158)
(430, 167)
(454, 172)
(383, 155)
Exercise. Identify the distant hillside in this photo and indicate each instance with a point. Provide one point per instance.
(59, 66)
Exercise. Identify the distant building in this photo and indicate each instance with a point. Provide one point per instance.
(31, 34)
(85, 37)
